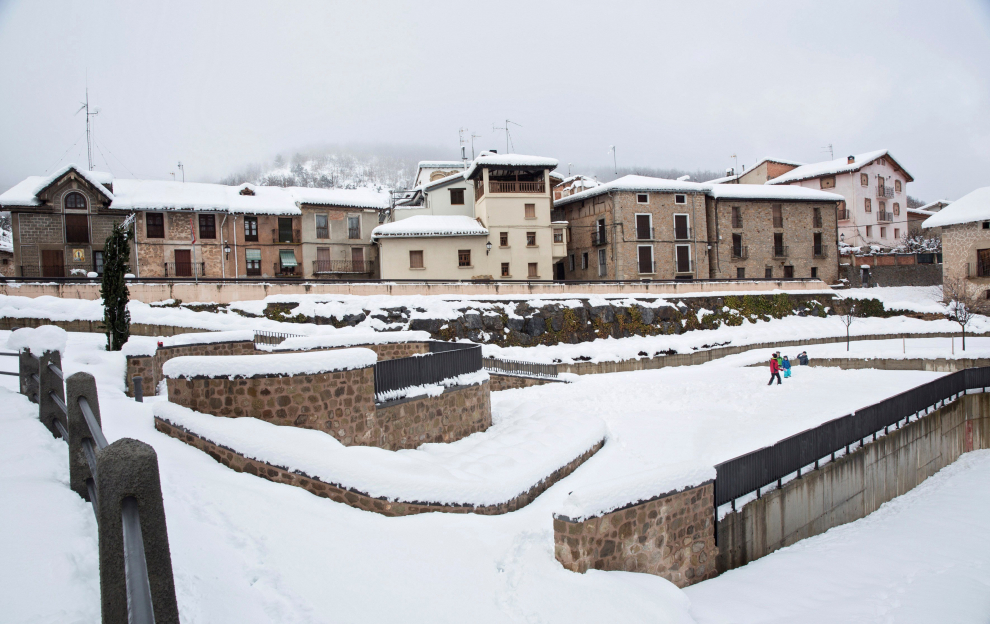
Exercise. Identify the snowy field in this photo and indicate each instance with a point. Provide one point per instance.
(248, 550)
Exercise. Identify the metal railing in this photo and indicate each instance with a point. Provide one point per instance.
(843, 214)
(750, 472)
(343, 266)
(286, 236)
(285, 271)
(558, 214)
(885, 216)
(55, 270)
(430, 368)
(497, 186)
(515, 367)
(820, 251)
(272, 338)
(121, 481)
(740, 252)
(885, 191)
(780, 251)
(598, 238)
(185, 269)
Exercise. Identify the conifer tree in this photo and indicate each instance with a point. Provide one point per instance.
(116, 318)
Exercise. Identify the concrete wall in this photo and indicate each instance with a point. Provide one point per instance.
(938, 365)
(671, 536)
(897, 275)
(855, 485)
(508, 382)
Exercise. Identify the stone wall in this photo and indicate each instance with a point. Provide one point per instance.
(455, 414)
(893, 275)
(508, 382)
(856, 484)
(672, 536)
(354, 498)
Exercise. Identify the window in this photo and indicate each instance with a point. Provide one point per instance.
(642, 198)
(503, 239)
(644, 255)
(682, 230)
(788, 272)
(252, 259)
(287, 261)
(897, 233)
(869, 230)
(602, 268)
(530, 211)
(284, 230)
(779, 251)
(867, 205)
(778, 215)
(154, 225)
(457, 197)
(531, 239)
(883, 232)
(816, 217)
(983, 262)
(864, 179)
(558, 235)
(572, 262)
(816, 241)
(505, 269)
(827, 183)
(76, 228)
(207, 226)
(737, 217)
(897, 186)
(814, 272)
(740, 272)
(322, 226)
(75, 201)
(534, 270)
(986, 225)
(897, 208)
(737, 246)
(98, 262)
(464, 257)
(416, 259)
(682, 258)
(768, 272)
(644, 226)
(251, 229)
(680, 199)
(584, 260)
(353, 226)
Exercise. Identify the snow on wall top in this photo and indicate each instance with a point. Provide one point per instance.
(608, 495)
(241, 366)
(762, 191)
(832, 167)
(491, 159)
(327, 341)
(972, 207)
(636, 183)
(25, 193)
(430, 225)
(353, 198)
(38, 339)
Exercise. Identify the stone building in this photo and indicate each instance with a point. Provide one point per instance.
(636, 227)
(760, 231)
(965, 226)
(336, 232)
(6, 254)
(60, 222)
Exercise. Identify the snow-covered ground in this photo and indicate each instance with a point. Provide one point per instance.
(920, 558)
(248, 550)
(911, 298)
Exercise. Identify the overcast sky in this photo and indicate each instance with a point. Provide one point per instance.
(223, 83)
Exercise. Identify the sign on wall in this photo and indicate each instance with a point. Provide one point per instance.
(79, 255)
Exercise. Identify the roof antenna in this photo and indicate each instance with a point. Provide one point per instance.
(735, 160)
(829, 148)
(89, 141)
(615, 167)
(508, 139)
(183, 169)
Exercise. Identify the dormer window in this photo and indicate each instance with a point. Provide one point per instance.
(247, 190)
(75, 201)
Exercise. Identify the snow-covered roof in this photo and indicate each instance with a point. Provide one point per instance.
(430, 226)
(920, 212)
(355, 198)
(762, 191)
(242, 366)
(636, 183)
(722, 180)
(198, 196)
(972, 207)
(938, 204)
(491, 159)
(441, 164)
(833, 167)
(441, 182)
(25, 193)
(6, 241)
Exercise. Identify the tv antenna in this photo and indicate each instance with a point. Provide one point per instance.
(89, 140)
(473, 137)
(615, 167)
(735, 160)
(828, 147)
(508, 138)
(183, 169)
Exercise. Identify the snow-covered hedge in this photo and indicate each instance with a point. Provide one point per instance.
(242, 366)
(38, 339)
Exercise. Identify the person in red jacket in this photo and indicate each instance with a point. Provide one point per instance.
(774, 370)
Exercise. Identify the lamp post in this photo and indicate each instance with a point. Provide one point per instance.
(488, 247)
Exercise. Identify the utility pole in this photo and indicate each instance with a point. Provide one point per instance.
(89, 141)
(183, 169)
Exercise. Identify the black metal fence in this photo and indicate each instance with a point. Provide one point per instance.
(752, 471)
(122, 482)
(272, 338)
(515, 367)
(429, 368)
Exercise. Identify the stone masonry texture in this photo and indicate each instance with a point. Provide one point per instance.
(672, 536)
(354, 498)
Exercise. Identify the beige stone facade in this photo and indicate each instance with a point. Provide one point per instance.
(672, 536)
(961, 251)
(342, 249)
(747, 244)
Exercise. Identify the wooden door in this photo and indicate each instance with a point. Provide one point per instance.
(645, 259)
(357, 259)
(52, 263)
(323, 264)
(183, 263)
(643, 227)
(681, 229)
(683, 259)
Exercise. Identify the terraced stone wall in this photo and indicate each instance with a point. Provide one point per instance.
(455, 414)
(672, 536)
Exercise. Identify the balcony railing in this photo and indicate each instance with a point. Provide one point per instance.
(885, 191)
(343, 266)
(740, 252)
(55, 270)
(684, 267)
(780, 251)
(843, 214)
(286, 236)
(820, 251)
(682, 233)
(558, 214)
(185, 269)
(644, 233)
(885, 216)
(497, 186)
(322, 232)
(598, 238)
(285, 271)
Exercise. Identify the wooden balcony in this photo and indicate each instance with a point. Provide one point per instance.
(497, 186)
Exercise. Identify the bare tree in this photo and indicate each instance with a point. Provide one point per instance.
(962, 303)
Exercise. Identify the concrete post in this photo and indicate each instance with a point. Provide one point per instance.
(129, 468)
(28, 366)
(138, 385)
(80, 385)
(48, 411)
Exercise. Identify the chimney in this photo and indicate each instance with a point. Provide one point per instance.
(728, 171)
(493, 151)
(850, 160)
(464, 155)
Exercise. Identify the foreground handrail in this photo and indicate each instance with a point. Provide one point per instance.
(139, 607)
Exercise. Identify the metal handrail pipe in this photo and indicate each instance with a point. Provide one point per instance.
(61, 430)
(139, 607)
(36, 378)
(56, 370)
(58, 401)
(91, 488)
(10, 373)
(10, 354)
(90, 454)
(94, 428)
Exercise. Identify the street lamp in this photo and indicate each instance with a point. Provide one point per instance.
(488, 247)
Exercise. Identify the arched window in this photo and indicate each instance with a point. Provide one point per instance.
(75, 200)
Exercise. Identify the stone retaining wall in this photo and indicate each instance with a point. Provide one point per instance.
(938, 365)
(455, 414)
(508, 382)
(671, 536)
(349, 496)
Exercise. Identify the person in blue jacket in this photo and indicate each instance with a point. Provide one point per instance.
(786, 365)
